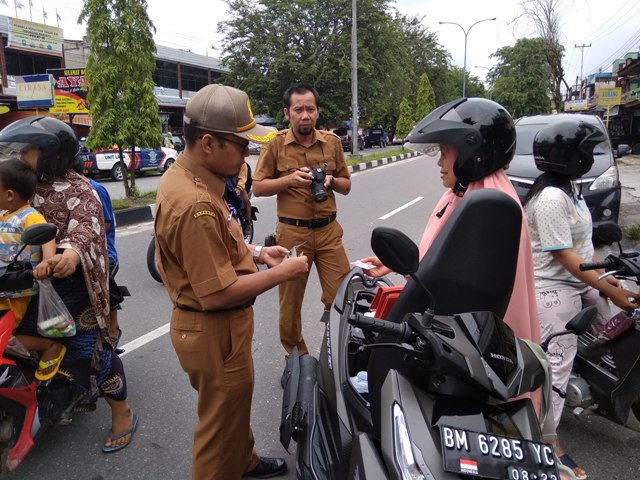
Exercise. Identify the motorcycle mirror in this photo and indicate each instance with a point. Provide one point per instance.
(608, 233)
(395, 250)
(582, 320)
(38, 234)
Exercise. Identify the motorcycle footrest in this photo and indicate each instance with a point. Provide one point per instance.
(84, 408)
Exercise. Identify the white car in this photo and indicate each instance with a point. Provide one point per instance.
(107, 162)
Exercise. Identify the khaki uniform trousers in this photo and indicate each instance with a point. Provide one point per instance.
(322, 246)
(214, 349)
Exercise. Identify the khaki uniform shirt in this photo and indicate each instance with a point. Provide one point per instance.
(201, 249)
(283, 155)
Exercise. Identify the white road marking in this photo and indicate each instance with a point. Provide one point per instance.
(406, 205)
(144, 339)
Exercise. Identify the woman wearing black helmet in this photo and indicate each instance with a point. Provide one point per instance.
(560, 225)
(475, 139)
(80, 271)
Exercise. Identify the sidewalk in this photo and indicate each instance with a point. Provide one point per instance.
(629, 169)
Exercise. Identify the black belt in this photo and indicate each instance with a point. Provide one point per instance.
(230, 309)
(316, 223)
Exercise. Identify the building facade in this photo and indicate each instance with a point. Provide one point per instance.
(178, 75)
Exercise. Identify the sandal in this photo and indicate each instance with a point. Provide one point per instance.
(113, 447)
(44, 364)
(567, 461)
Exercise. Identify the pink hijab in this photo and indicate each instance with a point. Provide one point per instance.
(522, 314)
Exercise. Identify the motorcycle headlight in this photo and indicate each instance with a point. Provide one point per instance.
(402, 448)
(608, 179)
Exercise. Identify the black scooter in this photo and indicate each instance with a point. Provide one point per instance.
(442, 369)
(605, 377)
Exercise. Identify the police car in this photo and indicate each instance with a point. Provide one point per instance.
(107, 162)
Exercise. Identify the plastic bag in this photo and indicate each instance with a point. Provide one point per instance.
(54, 320)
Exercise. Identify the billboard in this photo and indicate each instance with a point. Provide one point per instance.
(34, 91)
(576, 105)
(608, 97)
(70, 90)
(34, 37)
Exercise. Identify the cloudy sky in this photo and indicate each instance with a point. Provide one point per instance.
(608, 25)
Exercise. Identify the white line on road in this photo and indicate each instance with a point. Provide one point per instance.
(406, 205)
(144, 339)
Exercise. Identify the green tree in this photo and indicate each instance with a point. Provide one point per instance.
(519, 78)
(545, 15)
(124, 110)
(270, 44)
(405, 119)
(425, 99)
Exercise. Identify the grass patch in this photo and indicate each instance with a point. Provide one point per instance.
(147, 198)
(142, 200)
(634, 232)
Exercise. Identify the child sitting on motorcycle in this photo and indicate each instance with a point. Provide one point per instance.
(17, 186)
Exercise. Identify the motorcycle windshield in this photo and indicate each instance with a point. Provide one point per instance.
(494, 340)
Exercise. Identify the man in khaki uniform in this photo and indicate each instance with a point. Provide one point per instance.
(284, 170)
(212, 280)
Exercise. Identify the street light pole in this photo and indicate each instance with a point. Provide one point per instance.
(466, 33)
(485, 78)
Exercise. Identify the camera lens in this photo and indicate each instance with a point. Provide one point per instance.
(317, 184)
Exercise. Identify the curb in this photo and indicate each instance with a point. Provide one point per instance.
(131, 216)
(382, 161)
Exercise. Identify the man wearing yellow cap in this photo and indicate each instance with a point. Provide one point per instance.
(212, 279)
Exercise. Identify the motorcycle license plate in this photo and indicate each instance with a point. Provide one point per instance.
(494, 456)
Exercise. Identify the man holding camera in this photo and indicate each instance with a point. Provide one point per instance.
(304, 167)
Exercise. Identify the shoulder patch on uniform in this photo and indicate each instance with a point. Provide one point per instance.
(326, 132)
(282, 133)
(202, 213)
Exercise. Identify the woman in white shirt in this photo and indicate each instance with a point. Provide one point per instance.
(560, 226)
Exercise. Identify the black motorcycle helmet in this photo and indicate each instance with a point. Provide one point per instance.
(481, 130)
(56, 140)
(567, 147)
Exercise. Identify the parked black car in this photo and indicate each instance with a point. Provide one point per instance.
(376, 136)
(345, 138)
(600, 186)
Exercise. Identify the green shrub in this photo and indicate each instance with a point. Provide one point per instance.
(633, 232)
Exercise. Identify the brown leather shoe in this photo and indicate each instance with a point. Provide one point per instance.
(268, 467)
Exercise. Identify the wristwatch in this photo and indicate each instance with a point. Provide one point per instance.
(331, 181)
(257, 250)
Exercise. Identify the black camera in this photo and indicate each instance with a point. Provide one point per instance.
(318, 191)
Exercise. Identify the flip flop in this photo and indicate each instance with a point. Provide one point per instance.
(567, 461)
(55, 363)
(113, 438)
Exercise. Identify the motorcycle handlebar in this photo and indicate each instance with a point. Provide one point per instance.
(607, 264)
(398, 330)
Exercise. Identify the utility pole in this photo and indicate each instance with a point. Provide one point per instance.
(354, 79)
(581, 47)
